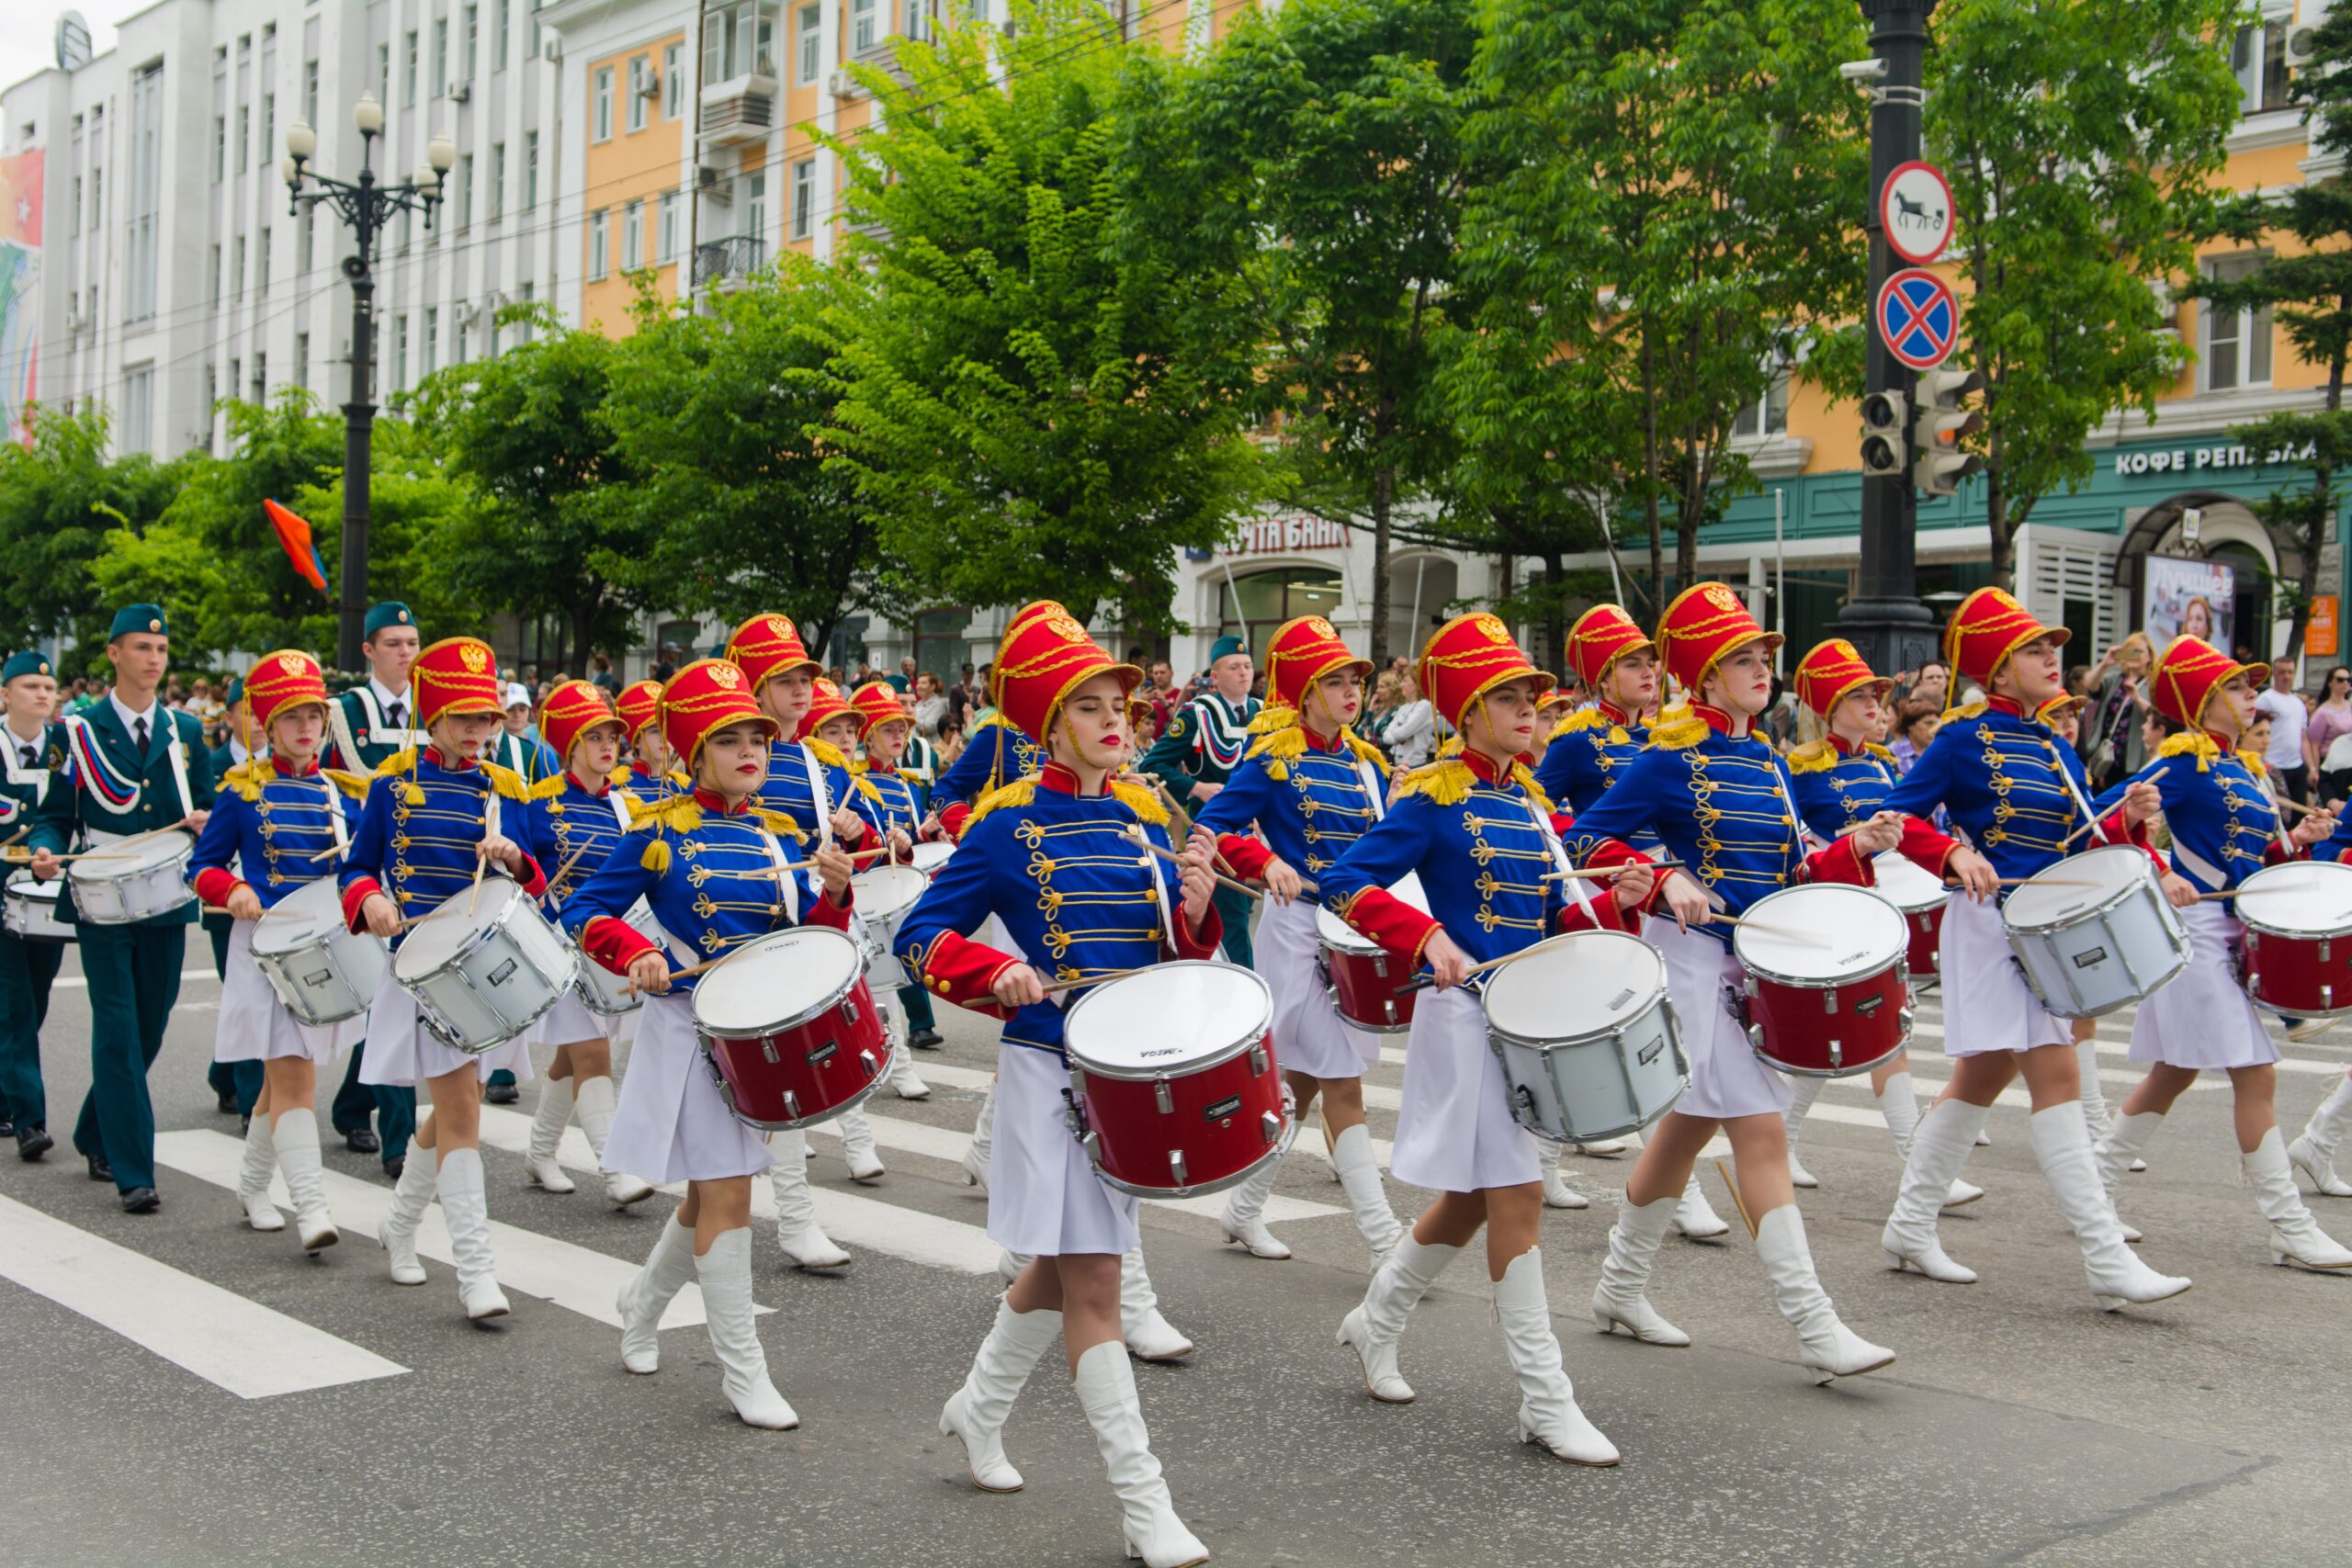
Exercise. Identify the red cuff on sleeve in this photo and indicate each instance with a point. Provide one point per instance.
(1605, 914)
(536, 883)
(961, 971)
(1390, 922)
(215, 883)
(614, 944)
(1924, 847)
(354, 895)
(825, 912)
(951, 820)
(2284, 849)
(1615, 851)
(1247, 856)
(1204, 944)
(1841, 862)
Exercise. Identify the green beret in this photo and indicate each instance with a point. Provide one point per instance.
(25, 664)
(390, 613)
(1226, 647)
(138, 618)
(236, 690)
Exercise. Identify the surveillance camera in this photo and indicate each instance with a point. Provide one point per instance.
(1863, 70)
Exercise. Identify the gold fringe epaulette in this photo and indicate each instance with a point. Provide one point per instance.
(1367, 750)
(1137, 798)
(1284, 744)
(680, 813)
(2188, 743)
(354, 786)
(780, 823)
(1526, 779)
(510, 784)
(1678, 734)
(401, 767)
(833, 756)
(546, 789)
(1272, 719)
(1448, 783)
(1967, 711)
(1813, 757)
(247, 777)
(1020, 792)
(1449, 747)
(1583, 719)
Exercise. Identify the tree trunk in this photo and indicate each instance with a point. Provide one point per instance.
(1383, 497)
(1649, 472)
(1556, 616)
(584, 623)
(1997, 516)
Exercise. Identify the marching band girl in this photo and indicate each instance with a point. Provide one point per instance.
(1476, 829)
(1838, 782)
(706, 862)
(2018, 795)
(571, 822)
(274, 815)
(1311, 789)
(653, 775)
(1059, 842)
(2223, 829)
(1718, 798)
(885, 798)
(432, 823)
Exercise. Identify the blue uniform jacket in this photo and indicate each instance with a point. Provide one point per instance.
(270, 826)
(2224, 827)
(419, 830)
(1586, 753)
(1310, 801)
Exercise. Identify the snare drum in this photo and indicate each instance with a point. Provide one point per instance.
(321, 971)
(2298, 955)
(2095, 932)
(605, 994)
(883, 897)
(932, 853)
(481, 979)
(1920, 894)
(1173, 1082)
(789, 1030)
(1361, 975)
(1827, 989)
(1617, 1069)
(31, 910)
(117, 884)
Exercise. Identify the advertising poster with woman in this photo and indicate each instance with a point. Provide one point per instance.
(2191, 597)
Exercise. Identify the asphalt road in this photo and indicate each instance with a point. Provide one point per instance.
(2019, 1425)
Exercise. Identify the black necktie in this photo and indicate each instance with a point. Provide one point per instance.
(393, 716)
(138, 733)
(24, 755)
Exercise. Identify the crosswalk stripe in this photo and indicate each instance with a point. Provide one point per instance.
(578, 1278)
(230, 1342)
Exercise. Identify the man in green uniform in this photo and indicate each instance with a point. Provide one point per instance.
(1206, 741)
(235, 1084)
(367, 724)
(137, 766)
(32, 764)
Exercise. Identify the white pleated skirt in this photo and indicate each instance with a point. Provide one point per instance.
(254, 1024)
(1988, 1005)
(1454, 1132)
(403, 1051)
(1728, 1077)
(670, 1123)
(2202, 1019)
(570, 1020)
(1309, 1035)
(1044, 1195)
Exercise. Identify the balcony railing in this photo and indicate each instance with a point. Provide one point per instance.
(719, 262)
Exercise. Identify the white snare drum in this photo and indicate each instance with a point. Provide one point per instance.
(480, 979)
(1587, 1040)
(2095, 932)
(605, 993)
(31, 912)
(930, 854)
(117, 884)
(885, 895)
(321, 971)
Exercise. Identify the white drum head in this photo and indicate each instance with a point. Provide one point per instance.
(310, 911)
(432, 942)
(1169, 1016)
(884, 891)
(1584, 983)
(779, 977)
(2311, 896)
(1331, 929)
(931, 854)
(1907, 885)
(114, 862)
(22, 885)
(1823, 930)
(2058, 891)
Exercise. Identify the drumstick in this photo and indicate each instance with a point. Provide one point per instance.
(809, 864)
(569, 862)
(481, 863)
(1241, 888)
(1620, 869)
(676, 974)
(1057, 986)
(1424, 982)
(324, 853)
(1737, 1201)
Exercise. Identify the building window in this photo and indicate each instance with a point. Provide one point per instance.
(1267, 599)
(400, 354)
(473, 41)
(261, 377)
(465, 190)
(244, 137)
(440, 56)
(804, 198)
(219, 147)
(432, 339)
(530, 170)
(309, 92)
(641, 81)
(523, 327)
(674, 81)
(914, 21)
(268, 128)
(497, 181)
(2259, 58)
(302, 360)
(2237, 342)
(138, 407)
(666, 237)
(261, 273)
(865, 27)
(498, 38)
(755, 210)
(1769, 415)
(215, 274)
(811, 29)
(632, 235)
(74, 221)
(237, 274)
(537, 44)
(600, 228)
(604, 121)
(738, 40)
(408, 87)
(146, 190)
(383, 74)
(458, 353)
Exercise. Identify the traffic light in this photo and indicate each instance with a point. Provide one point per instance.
(1886, 419)
(1940, 464)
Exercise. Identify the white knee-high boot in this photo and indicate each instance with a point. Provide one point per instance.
(1244, 1220)
(297, 1136)
(648, 1293)
(1804, 1092)
(1940, 1146)
(975, 1414)
(1373, 1329)
(2119, 1151)
(592, 1105)
(1149, 1336)
(1557, 1193)
(725, 1275)
(1695, 1217)
(2061, 1144)
(905, 1082)
(1622, 1299)
(466, 1206)
(2096, 1116)
(549, 1119)
(1367, 1198)
(1899, 1103)
(253, 1174)
(857, 1146)
(1106, 1390)
(805, 1244)
(397, 1230)
(1548, 1413)
(1830, 1347)
(2313, 1153)
(2295, 1236)
(976, 1157)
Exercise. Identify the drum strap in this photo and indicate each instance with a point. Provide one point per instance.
(1560, 863)
(1373, 793)
(2067, 777)
(787, 885)
(822, 800)
(177, 749)
(1160, 890)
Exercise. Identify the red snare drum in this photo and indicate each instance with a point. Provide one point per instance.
(1827, 992)
(789, 1030)
(2298, 955)
(1921, 895)
(1361, 976)
(1173, 1082)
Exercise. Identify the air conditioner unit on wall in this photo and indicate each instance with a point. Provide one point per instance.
(2301, 45)
(713, 184)
(461, 93)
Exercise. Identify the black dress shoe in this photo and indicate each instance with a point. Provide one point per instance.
(362, 1141)
(33, 1141)
(99, 1169)
(925, 1040)
(7, 1128)
(227, 1101)
(142, 1200)
(502, 1094)
(394, 1166)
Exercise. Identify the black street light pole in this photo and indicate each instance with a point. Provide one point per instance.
(364, 207)
(1885, 620)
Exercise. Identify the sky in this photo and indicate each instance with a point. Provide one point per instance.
(29, 35)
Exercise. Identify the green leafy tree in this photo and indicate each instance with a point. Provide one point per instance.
(2082, 140)
(1020, 415)
(59, 499)
(2311, 293)
(742, 507)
